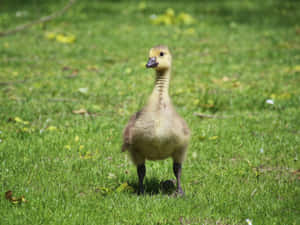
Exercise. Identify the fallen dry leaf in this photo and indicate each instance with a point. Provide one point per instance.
(80, 111)
(66, 68)
(73, 74)
(14, 200)
(8, 195)
(84, 112)
(296, 173)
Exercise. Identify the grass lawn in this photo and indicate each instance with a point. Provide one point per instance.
(68, 87)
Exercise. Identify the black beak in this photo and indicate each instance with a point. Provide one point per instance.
(152, 62)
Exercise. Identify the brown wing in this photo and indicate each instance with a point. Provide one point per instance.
(127, 133)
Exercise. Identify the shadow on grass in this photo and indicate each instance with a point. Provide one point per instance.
(153, 186)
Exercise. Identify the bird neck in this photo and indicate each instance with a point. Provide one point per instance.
(160, 94)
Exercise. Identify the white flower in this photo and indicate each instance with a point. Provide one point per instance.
(261, 150)
(248, 221)
(0, 132)
(111, 175)
(83, 90)
(270, 101)
(194, 155)
(0, 140)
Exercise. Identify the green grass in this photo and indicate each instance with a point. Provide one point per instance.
(68, 166)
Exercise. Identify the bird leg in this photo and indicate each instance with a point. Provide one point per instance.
(141, 170)
(177, 172)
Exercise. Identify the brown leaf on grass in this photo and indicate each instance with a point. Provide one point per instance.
(66, 68)
(209, 116)
(84, 112)
(93, 68)
(80, 111)
(236, 84)
(73, 74)
(14, 200)
(8, 194)
(297, 173)
(280, 171)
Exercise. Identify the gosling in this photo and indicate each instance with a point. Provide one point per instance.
(157, 132)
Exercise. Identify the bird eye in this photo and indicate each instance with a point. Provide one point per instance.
(161, 54)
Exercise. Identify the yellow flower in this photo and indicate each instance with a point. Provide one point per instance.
(124, 187)
(19, 120)
(87, 155)
(213, 138)
(297, 68)
(170, 12)
(186, 19)
(68, 147)
(52, 128)
(50, 35)
(65, 39)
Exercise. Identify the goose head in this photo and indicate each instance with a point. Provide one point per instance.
(160, 58)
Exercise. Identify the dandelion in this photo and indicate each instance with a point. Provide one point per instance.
(66, 39)
(297, 68)
(19, 120)
(270, 101)
(248, 221)
(52, 128)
